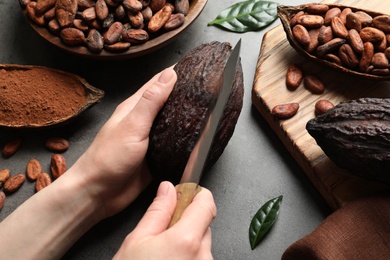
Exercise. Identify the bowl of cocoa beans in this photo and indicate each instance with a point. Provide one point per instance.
(111, 29)
(346, 38)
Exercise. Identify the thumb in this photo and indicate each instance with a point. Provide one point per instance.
(159, 213)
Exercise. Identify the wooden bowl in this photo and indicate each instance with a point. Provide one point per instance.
(286, 13)
(153, 44)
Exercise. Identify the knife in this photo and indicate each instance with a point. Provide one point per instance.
(188, 187)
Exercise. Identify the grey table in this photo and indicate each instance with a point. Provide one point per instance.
(254, 167)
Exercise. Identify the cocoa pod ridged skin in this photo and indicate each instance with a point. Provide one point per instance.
(355, 135)
(178, 125)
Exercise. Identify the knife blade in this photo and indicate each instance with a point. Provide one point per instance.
(188, 187)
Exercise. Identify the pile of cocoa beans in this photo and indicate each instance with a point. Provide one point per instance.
(352, 39)
(112, 25)
(34, 172)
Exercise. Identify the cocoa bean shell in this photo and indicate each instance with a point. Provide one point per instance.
(178, 125)
(286, 15)
(355, 135)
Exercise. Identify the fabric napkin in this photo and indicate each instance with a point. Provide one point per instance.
(359, 230)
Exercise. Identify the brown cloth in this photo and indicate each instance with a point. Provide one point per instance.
(359, 230)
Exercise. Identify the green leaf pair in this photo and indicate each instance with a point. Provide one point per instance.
(247, 16)
(263, 220)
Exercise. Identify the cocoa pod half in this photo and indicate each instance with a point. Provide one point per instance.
(178, 125)
(355, 135)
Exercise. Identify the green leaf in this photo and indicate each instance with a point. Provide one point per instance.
(247, 16)
(263, 220)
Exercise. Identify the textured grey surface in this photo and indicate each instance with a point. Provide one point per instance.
(254, 168)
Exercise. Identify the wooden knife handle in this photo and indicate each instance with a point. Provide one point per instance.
(185, 194)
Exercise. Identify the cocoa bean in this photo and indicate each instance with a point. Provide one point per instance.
(325, 35)
(311, 21)
(332, 58)
(66, 12)
(301, 35)
(12, 146)
(182, 6)
(371, 34)
(387, 53)
(101, 9)
(285, 111)
(24, 2)
(294, 19)
(147, 13)
(344, 13)
(175, 21)
(382, 22)
(339, 28)
(31, 13)
(108, 21)
(348, 56)
(14, 183)
(315, 8)
(314, 84)
(2, 199)
(33, 170)
(72, 36)
(89, 14)
(159, 19)
(113, 33)
(364, 18)
(4, 175)
(95, 41)
(133, 6)
(294, 76)
(120, 13)
(380, 61)
(352, 22)
(136, 20)
(329, 46)
(330, 14)
(367, 55)
(355, 41)
(54, 27)
(117, 47)
(112, 3)
(381, 72)
(44, 5)
(81, 25)
(56, 144)
(43, 181)
(135, 36)
(314, 40)
(84, 4)
(322, 106)
(57, 165)
(156, 5)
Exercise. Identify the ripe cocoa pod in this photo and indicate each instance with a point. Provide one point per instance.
(14, 183)
(57, 165)
(178, 125)
(355, 135)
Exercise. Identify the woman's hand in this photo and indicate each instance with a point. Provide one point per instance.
(189, 238)
(113, 167)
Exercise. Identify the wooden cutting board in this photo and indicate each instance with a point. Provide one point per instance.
(336, 186)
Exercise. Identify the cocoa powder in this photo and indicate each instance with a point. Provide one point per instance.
(36, 97)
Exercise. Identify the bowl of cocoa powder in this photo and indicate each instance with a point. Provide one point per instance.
(111, 29)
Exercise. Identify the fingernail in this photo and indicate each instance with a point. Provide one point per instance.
(166, 76)
(163, 189)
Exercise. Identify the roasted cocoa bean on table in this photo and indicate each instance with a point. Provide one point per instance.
(353, 39)
(87, 22)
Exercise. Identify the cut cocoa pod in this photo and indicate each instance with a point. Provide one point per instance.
(355, 135)
(179, 124)
(341, 25)
(57, 99)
